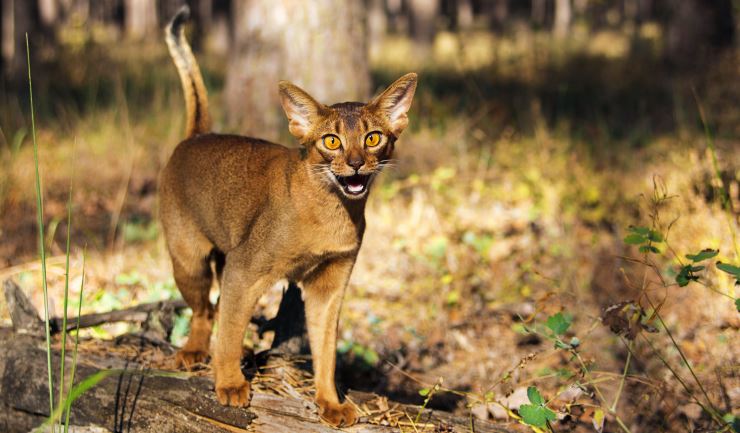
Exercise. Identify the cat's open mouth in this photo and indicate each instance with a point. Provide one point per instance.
(355, 184)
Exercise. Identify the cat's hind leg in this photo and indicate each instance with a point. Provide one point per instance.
(190, 253)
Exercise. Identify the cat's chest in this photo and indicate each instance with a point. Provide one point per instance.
(330, 240)
(311, 252)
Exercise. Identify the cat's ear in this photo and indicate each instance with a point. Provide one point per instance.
(395, 102)
(302, 110)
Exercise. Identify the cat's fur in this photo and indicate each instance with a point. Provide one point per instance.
(269, 213)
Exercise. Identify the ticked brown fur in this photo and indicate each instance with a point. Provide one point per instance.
(272, 213)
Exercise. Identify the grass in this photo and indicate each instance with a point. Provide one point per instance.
(40, 222)
(64, 402)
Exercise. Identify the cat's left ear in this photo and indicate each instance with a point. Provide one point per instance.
(395, 102)
(302, 110)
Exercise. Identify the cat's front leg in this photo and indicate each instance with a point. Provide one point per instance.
(240, 291)
(324, 290)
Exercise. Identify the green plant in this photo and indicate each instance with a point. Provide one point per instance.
(40, 225)
(536, 413)
(64, 404)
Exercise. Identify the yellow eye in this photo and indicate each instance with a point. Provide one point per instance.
(332, 142)
(372, 139)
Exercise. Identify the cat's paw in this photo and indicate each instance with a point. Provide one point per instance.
(337, 414)
(188, 359)
(236, 395)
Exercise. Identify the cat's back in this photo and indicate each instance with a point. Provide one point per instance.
(223, 181)
(222, 161)
(204, 152)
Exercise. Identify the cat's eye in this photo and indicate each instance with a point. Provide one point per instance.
(372, 139)
(331, 142)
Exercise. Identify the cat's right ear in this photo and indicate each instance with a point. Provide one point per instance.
(302, 110)
(395, 102)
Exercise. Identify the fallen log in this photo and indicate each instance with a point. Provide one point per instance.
(138, 394)
(135, 399)
(26, 319)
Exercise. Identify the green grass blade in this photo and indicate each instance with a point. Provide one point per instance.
(68, 401)
(40, 223)
(66, 298)
(75, 393)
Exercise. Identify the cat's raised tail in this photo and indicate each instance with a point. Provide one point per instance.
(196, 97)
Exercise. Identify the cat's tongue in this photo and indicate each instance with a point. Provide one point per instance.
(355, 187)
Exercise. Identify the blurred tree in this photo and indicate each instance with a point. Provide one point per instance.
(697, 29)
(319, 45)
(499, 13)
(423, 15)
(464, 14)
(563, 15)
(397, 16)
(377, 25)
(580, 6)
(17, 19)
(539, 12)
(49, 12)
(141, 18)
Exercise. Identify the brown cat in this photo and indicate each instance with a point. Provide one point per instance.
(268, 213)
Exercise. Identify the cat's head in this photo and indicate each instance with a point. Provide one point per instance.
(349, 143)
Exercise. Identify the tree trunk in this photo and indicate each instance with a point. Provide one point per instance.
(539, 12)
(580, 6)
(17, 20)
(377, 26)
(697, 30)
(48, 12)
(464, 14)
(140, 18)
(563, 15)
(499, 14)
(423, 14)
(318, 45)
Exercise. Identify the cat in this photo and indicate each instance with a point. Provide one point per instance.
(268, 213)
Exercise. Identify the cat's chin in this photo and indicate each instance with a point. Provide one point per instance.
(355, 186)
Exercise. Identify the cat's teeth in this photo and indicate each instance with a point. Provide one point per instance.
(355, 188)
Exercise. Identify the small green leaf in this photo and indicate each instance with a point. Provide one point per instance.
(370, 357)
(453, 298)
(536, 415)
(550, 415)
(533, 415)
(686, 274)
(559, 323)
(424, 392)
(704, 254)
(733, 421)
(655, 236)
(644, 231)
(649, 249)
(737, 304)
(682, 280)
(534, 396)
(560, 345)
(730, 269)
(634, 239)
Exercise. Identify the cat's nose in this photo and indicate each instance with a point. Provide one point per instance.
(355, 162)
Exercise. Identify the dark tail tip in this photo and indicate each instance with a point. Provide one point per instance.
(181, 17)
